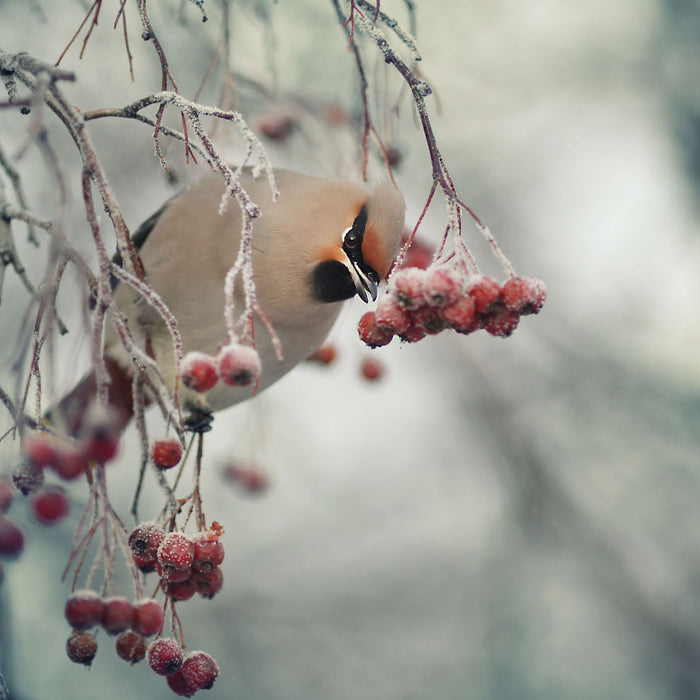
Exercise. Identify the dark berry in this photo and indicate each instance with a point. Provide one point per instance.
(131, 647)
(81, 647)
(165, 656)
(11, 538)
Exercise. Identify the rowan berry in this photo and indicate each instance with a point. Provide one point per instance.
(371, 369)
(524, 295)
(176, 551)
(429, 319)
(208, 583)
(200, 670)
(165, 453)
(371, 334)
(391, 316)
(484, 291)
(39, 450)
(407, 286)
(198, 371)
(83, 609)
(148, 617)
(164, 656)
(11, 538)
(179, 590)
(49, 505)
(460, 315)
(117, 614)
(131, 647)
(81, 647)
(502, 323)
(208, 551)
(442, 285)
(324, 355)
(238, 365)
(102, 436)
(172, 575)
(7, 495)
(413, 333)
(145, 539)
(70, 463)
(180, 685)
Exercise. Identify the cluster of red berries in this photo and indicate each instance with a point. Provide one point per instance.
(185, 674)
(427, 301)
(236, 365)
(185, 564)
(116, 615)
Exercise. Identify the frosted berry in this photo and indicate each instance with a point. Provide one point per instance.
(200, 670)
(70, 463)
(391, 316)
(117, 614)
(502, 323)
(145, 539)
(144, 562)
(198, 371)
(81, 647)
(179, 684)
(179, 590)
(39, 450)
(524, 295)
(413, 333)
(11, 539)
(148, 617)
(208, 583)
(164, 656)
(429, 319)
(169, 573)
(372, 369)
(176, 551)
(460, 315)
(371, 334)
(238, 365)
(102, 436)
(407, 286)
(7, 494)
(208, 551)
(49, 505)
(442, 285)
(324, 355)
(165, 453)
(484, 291)
(27, 478)
(83, 609)
(131, 647)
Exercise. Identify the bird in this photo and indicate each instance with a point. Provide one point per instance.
(321, 242)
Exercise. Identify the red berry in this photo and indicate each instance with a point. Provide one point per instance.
(70, 463)
(165, 656)
(501, 323)
(102, 439)
(200, 670)
(429, 319)
(165, 453)
(117, 614)
(208, 583)
(7, 494)
(145, 539)
(179, 590)
(172, 575)
(208, 551)
(144, 562)
(11, 539)
(198, 371)
(413, 333)
(324, 355)
(371, 334)
(180, 685)
(524, 295)
(460, 315)
(81, 647)
(442, 285)
(238, 365)
(83, 609)
(176, 551)
(39, 450)
(485, 292)
(131, 647)
(372, 369)
(249, 477)
(49, 505)
(391, 316)
(148, 617)
(407, 287)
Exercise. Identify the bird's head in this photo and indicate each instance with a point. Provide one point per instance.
(361, 250)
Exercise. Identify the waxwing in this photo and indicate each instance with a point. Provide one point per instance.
(320, 243)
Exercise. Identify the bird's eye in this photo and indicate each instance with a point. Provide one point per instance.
(352, 239)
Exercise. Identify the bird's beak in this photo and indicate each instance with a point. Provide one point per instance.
(365, 279)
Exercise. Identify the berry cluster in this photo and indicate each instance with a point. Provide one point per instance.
(236, 365)
(116, 615)
(427, 301)
(185, 564)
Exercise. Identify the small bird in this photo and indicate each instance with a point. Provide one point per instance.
(322, 241)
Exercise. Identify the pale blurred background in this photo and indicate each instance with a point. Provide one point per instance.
(495, 519)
